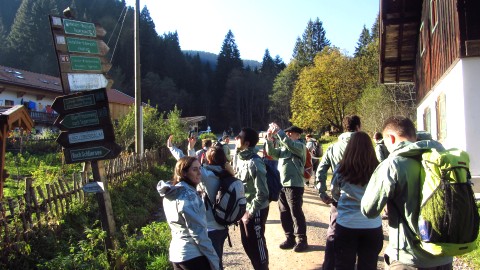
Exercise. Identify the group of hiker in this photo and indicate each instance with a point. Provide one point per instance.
(354, 235)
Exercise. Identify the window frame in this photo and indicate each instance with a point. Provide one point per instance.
(441, 111)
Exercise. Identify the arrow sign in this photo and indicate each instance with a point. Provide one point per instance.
(88, 64)
(79, 28)
(84, 81)
(84, 119)
(79, 45)
(97, 151)
(86, 100)
(72, 137)
(93, 187)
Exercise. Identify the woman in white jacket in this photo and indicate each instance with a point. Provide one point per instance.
(216, 167)
(190, 248)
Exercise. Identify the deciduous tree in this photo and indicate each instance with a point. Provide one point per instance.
(325, 92)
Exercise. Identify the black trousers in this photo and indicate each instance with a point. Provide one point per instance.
(292, 218)
(197, 263)
(364, 243)
(329, 259)
(218, 240)
(252, 232)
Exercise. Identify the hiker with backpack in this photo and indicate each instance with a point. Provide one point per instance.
(333, 155)
(291, 156)
(395, 183)
(315, 149)
(357, 238)
(190, 247)
(252, 172)
(212, 173)
(381, 150)
(200, 154)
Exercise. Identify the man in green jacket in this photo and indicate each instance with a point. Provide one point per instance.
(333, 155)
(395, 184)
(251, 170)
(291, 156)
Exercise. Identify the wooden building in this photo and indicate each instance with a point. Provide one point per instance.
(436, 45)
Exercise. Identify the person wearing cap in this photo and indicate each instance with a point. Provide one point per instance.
(291, 156)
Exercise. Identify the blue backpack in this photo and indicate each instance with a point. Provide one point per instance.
(273, 179)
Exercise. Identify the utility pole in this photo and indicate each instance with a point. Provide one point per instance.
(138, 90)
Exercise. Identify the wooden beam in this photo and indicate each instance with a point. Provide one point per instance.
(398, 63)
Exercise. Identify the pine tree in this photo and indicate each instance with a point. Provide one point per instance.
(268, 65)
(29, 41)
(374, 31)
(362, 42)
(8, 11)
(228, 60)
(312, 42)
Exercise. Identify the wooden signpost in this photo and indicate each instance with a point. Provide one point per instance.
(84, 119)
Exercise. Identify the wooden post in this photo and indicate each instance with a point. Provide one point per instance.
(105, 206)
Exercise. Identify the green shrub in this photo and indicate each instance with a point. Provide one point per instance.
(136, 200)
(147, 250)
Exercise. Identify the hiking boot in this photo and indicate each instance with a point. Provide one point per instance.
(288, 244)
(301, 246)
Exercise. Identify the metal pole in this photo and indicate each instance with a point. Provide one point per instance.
(138, 91)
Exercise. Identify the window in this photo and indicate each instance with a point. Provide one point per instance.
(421, 40)
(441, 117)
(427, 120)
(9, 102)
(433, 15)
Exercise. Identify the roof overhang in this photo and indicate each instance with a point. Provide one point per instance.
(399, 30)
(16, 116)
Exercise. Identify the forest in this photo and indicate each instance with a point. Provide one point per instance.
(319, 86)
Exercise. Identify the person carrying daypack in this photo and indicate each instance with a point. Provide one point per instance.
(448, 221)
(229, 204)
(216, 167)
(315, 149)
(398, 183)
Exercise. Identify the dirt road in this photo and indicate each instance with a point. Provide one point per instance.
(317, 216)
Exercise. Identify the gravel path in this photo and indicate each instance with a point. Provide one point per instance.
(317, 215)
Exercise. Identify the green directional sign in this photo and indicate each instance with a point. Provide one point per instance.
(85, 63)
(86, 100)
(81, 119)
(81, 45)
(79, 28)
(97, 151)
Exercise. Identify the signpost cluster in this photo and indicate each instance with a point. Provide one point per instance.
(84, 120)
(80, 53)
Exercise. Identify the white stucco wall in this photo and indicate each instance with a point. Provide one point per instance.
(10, 95)
(461, 86)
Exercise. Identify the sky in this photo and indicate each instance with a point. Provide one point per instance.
(260, 24)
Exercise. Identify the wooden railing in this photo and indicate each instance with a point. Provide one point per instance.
(40, 205)
(43, 117)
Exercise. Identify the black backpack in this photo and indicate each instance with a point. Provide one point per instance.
(317, 150)
(273, 179)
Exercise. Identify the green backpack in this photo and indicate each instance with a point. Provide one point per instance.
(449, 222)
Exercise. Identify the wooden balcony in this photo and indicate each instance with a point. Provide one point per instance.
(43, 118)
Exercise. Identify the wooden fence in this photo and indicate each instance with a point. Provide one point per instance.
(45, 205)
